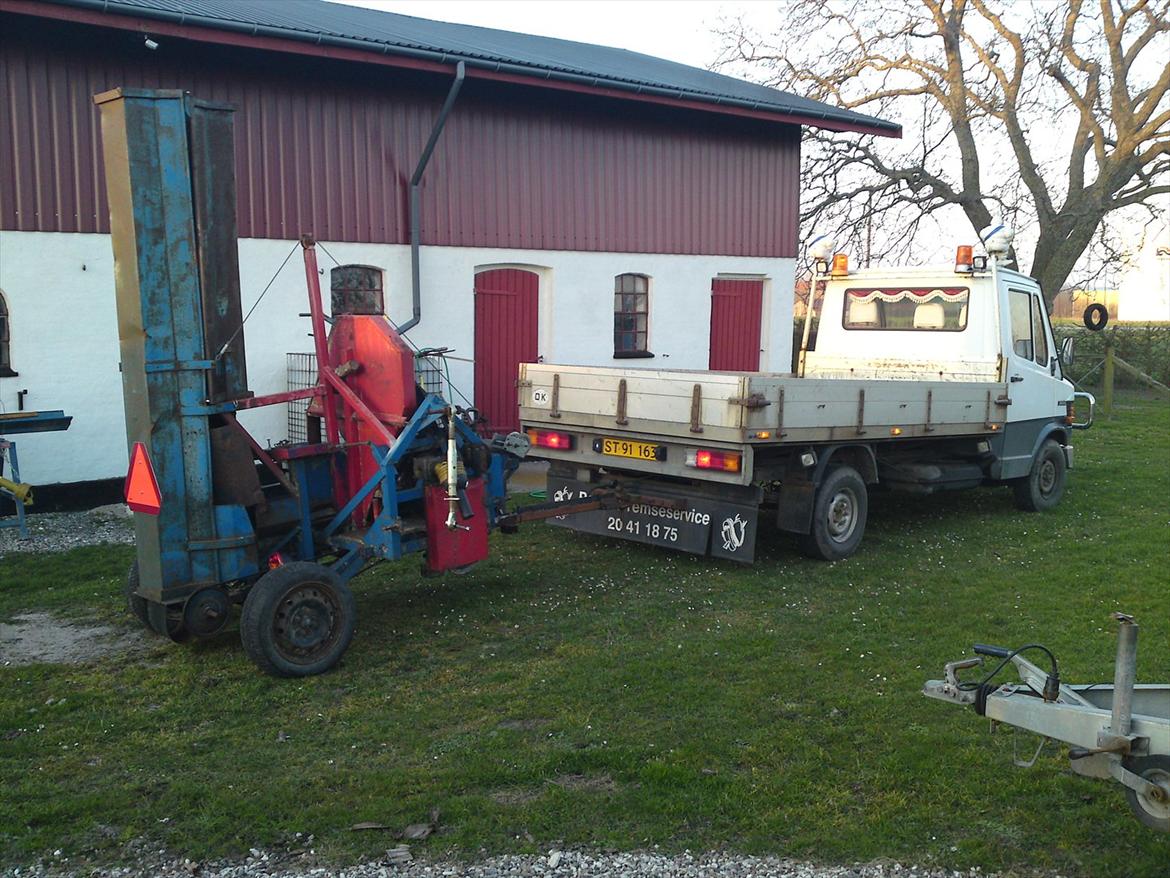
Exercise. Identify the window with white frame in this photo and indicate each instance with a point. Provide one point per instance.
(631, 315)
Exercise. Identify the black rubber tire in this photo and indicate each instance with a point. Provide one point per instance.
(839, 515)
(1156, 769)
(1043, 488)
(140, 609)
(135, 604)
(310, 596)
(1095, 317)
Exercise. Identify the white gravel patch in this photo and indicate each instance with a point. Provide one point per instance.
(60, 531)
(38, 636)
(569, 864)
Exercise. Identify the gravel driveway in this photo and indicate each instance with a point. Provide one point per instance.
(59, 531)
(569, 864)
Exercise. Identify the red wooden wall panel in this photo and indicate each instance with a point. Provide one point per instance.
(327, 148)
(736, 316)
(506, 321)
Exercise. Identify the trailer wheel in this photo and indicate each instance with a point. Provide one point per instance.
(134, 603)
(170, 618)
(1150, 811)
(1043, 487)
(297, 620)
(839, 515)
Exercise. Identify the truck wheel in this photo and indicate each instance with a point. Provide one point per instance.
(839, 515)
(297, 620)
(1043, 487)
(1154, 813)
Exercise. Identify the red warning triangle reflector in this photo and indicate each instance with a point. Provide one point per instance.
(141, 488)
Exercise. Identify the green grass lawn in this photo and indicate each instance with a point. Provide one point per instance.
(578, 691)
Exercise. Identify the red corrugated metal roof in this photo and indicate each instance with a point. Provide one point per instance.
(540, 60)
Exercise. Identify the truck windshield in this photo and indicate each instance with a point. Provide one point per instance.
(937, 309)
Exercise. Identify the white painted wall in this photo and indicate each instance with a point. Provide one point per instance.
(60, 293)
(1145, 283)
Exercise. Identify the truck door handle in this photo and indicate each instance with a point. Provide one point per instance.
(1016, 378)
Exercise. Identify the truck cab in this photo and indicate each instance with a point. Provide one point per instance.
(929, 325)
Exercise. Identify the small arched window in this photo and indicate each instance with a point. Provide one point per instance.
(5, 334)
(631, 315)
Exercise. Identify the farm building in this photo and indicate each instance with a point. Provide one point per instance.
(582, 204)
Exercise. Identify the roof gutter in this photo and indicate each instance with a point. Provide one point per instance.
(828, 115)
(416, 209)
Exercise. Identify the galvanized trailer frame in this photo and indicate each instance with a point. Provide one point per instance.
(1119, 731)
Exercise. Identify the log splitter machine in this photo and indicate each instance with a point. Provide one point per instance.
(388, 469)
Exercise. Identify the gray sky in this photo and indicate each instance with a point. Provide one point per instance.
(680, 30)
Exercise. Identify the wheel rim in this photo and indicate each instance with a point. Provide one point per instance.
(842, 515)
(1047, 478)
(307, 623)
(1159, 810)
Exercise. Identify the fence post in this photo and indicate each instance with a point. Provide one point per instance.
(1107, 395)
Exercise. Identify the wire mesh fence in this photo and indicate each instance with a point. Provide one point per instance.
(429, 374)
(301, 372)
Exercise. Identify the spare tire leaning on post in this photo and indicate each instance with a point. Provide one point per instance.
(1096, 316)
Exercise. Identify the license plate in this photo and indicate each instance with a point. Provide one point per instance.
(629, 448)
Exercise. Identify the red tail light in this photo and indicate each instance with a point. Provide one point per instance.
(551, 439)
(727, 461)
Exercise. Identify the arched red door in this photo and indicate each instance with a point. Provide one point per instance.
(736, 315)
(506, 305)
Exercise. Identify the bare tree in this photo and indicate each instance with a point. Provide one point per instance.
(1053, 116)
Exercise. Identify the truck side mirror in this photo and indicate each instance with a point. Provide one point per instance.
(1066, 351)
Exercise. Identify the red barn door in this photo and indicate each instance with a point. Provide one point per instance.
(736, 314)
(506, 302)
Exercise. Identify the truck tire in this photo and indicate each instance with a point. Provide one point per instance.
(297, 620)
(140, 609)
(1043, 487)
(839, 515)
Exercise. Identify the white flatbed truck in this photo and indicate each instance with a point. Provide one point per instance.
(920, 380)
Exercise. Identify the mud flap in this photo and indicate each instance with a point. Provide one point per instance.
(703, 526)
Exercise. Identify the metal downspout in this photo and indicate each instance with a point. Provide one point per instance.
(415, 209)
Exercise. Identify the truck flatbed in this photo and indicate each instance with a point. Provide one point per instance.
(748, 408)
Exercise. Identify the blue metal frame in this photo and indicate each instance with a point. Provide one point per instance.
(383, 538)
(150, 177)
(162, 174)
